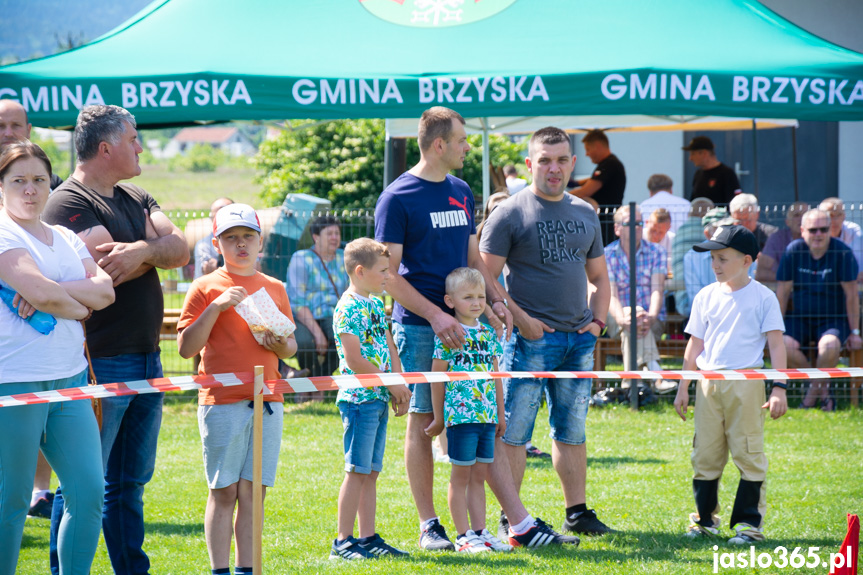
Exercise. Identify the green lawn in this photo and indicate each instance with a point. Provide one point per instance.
(181, 190)
(638, 480)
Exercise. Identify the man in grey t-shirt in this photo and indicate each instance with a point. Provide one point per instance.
(549, 245)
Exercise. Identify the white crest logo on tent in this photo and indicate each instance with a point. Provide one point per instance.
(435, 13)
(436, 9)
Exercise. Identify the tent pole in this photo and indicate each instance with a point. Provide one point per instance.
(388, 155)
(794, 162)
(633, 304)
(755, 154)
(486, 184)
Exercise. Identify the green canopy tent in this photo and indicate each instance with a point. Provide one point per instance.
(181, 61)
(184, 61)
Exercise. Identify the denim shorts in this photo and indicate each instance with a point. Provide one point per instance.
(365, 437)
(567, 398)
(415, 344)
(469, 443)
(807, 331)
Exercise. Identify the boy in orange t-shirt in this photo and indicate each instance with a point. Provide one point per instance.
(210, 325)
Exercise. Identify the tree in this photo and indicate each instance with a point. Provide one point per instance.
(501, 151)
(343, 161)
(199, 158)
(60, 159)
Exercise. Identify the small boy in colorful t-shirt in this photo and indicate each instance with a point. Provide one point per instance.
(469, 409)
(364, 345)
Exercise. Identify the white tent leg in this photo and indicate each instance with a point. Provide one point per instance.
(486, 183)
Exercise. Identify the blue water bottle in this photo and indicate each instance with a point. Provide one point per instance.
(40, 321)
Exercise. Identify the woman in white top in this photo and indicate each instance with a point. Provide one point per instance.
(50, 270)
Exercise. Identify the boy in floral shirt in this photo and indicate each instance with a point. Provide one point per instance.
(364, 345)
(469, 409)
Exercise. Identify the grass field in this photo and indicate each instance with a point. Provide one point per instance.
(638, 480)
(183, 190)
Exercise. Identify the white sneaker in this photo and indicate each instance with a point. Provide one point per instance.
(696, 530)
(493, 542)
(439, 456)
(470, 543)
(746, 535)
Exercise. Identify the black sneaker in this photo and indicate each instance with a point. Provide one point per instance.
(378, 547)
(433, 538)
(503, 527)
(349, 549)
(586, 523)
(540, 535)
(42, 507)
(534, 451)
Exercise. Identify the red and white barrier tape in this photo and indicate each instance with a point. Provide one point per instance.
(325, 383)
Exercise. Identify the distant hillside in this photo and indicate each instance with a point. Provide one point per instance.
(36, 28)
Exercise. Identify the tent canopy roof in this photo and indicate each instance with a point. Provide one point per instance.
(181, 61)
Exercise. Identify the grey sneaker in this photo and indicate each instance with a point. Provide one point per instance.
(433, 538)
(503, 527)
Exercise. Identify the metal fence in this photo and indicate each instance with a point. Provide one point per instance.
(286, 232)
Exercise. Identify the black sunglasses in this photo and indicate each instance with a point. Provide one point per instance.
(823, 230)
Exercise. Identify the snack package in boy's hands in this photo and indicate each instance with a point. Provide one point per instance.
(260, 312)
(40, 321)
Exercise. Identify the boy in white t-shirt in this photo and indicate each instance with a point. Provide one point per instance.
(730, 322)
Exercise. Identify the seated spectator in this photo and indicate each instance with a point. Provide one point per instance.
(697, 266)
(513, 182)
(821, 273)
(768, 259)
(657, 230)
(316, 280)
(650, 265)
(689, 234)
(744, 209)
(849, 233)
(661, 196)
(206, 256)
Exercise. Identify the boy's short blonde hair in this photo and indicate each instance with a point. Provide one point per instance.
(364, 252)
(660, 216)
(461, 277)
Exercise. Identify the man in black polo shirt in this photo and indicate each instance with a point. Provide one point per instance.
(607, 182)
(713, 180)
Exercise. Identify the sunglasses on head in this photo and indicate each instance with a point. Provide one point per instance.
(823, 230)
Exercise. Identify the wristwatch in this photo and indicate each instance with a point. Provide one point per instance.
(855, 332)
(602, 327)
(500, 300)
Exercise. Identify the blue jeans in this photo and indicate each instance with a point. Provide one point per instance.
(130, 431)
(365, 436)
(68, 436)
(415, 344)
(567, 398)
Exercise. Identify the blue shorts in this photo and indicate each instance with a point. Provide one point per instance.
(469, 443)
(415, 344)
(807, 331)
(365, 435)
(567, 398)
